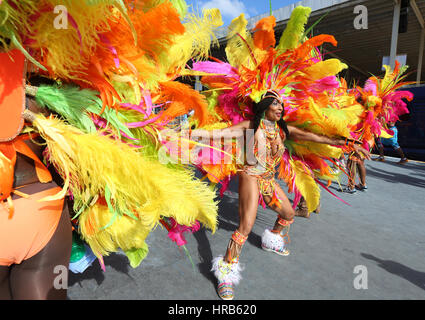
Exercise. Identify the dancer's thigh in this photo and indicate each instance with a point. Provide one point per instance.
(4, 283)
(37, 277)
(248, 202)
(285, 211)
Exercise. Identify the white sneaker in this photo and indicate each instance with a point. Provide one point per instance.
(274, 242)
(228, 276)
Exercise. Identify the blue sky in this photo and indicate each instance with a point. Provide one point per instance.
(232, 8)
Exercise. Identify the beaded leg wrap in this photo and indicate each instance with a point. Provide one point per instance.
(275, 240)
(235, 245)
(227, 269)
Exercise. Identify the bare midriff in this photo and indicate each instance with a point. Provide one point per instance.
(265, 168)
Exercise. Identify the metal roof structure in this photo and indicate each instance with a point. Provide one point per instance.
(362, 49)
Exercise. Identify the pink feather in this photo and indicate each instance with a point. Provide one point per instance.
(371, 86)
(229, 103)
(325, 84)
(111, 48)
(75, 26)
(177, 230)
(214, 68)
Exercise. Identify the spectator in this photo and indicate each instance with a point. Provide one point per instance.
(356, 166)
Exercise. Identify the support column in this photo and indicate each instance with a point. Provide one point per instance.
(421, 40)
(421, 56)
(394, 36)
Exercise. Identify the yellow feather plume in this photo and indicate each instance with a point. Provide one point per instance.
(125, 233)
(195, 43)
(306, 185)
(63, 51)
(320, 149)
(99, 169)
(325, 68)
(237, 50)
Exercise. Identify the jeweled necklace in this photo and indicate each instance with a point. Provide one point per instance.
(270, 129)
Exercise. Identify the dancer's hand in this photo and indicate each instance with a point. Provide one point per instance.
(359, 149)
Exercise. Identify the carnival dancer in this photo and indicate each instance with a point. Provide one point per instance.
(356, 166)
(382, 103)
(262, 88)
(258, 182)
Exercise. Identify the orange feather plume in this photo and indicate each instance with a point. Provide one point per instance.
(184, 99)
(311, 43)
(264, 33)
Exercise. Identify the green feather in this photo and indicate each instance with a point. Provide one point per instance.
(68, 102)
(181, 7)
(7, 32)
(136, 255)
(111, 208)
(292, 35)
(75, 105)
(314, 24)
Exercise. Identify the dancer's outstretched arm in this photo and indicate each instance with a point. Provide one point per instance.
(298, 134)
(235, 131)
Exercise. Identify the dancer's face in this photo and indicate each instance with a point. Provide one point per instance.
(274, 111)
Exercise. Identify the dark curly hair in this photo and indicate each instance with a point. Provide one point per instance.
(259, 110)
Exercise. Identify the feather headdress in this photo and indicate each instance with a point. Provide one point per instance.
(295, 69)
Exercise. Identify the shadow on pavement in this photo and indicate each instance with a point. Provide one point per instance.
(118, 262)
(205, 255)
(395, 177)
(226, 210)
(335, 186)
(411, 275)
(409, 165)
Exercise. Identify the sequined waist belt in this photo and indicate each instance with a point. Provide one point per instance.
(265, 178)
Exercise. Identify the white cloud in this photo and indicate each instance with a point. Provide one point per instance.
(229, 8)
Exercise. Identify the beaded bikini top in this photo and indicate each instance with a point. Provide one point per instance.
(270, 156)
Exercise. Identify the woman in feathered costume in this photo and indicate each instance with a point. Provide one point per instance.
(382, 104)
(111, 68)
(261, 88)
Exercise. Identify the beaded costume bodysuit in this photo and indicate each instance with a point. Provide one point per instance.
(268, 158)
